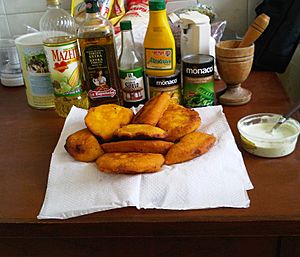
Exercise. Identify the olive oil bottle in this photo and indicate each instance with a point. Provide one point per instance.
(60, 44)
(97, 48)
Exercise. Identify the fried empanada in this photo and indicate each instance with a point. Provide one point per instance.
(105, 119)
(189, 147)
(130, 162)
(152, 111)
(83, 146)
(140, 146)
(178, 121)
(140, 131)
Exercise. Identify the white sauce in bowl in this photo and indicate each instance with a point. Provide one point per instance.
(263, 130)
(257, 138)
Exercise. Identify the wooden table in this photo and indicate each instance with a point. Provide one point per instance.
(269, 228)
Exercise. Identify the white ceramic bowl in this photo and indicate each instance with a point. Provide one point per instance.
(257, 139)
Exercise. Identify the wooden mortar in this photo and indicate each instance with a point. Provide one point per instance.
(234, 65)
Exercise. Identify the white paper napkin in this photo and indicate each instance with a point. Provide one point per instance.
(216, 179)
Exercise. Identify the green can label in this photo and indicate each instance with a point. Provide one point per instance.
(198, 81)
(198, 94)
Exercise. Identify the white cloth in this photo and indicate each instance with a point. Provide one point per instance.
(216, 179)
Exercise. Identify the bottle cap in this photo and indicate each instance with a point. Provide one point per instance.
(157, 5)
(125, 25)
(91, 6)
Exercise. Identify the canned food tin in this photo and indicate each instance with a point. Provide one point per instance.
(198, 80)
(169, 84)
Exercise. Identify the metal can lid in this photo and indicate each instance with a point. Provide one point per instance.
(198, 58)
(176, 74)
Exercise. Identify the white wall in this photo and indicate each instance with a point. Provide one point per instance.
(239, 14)
(15, 14)
(291, 77)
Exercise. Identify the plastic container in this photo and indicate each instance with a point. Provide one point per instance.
(10, 69)
(257, 138)
(39, 90)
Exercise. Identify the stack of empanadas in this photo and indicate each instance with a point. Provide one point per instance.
(121, 142)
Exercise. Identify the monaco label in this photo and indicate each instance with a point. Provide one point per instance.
(170, 84)
(200, 71)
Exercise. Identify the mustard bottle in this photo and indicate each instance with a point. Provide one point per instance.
(159, 42)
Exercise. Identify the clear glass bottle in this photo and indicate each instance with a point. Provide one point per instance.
(131, 69)
(58, 29)
(98, 54)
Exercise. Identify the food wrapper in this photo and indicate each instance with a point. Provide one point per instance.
(216, 179)
(109, 9)
(138, 14)
(118, 11)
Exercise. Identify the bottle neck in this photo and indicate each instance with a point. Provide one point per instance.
(158, 15)
(92, 11)
(127, 39)
(53, 4)
(93, 15)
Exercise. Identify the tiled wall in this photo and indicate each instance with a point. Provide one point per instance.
(16, 14)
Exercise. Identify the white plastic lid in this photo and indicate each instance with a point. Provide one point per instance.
(193, 17)
(30, 39)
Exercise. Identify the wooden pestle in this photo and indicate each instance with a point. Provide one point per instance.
(255, 30)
